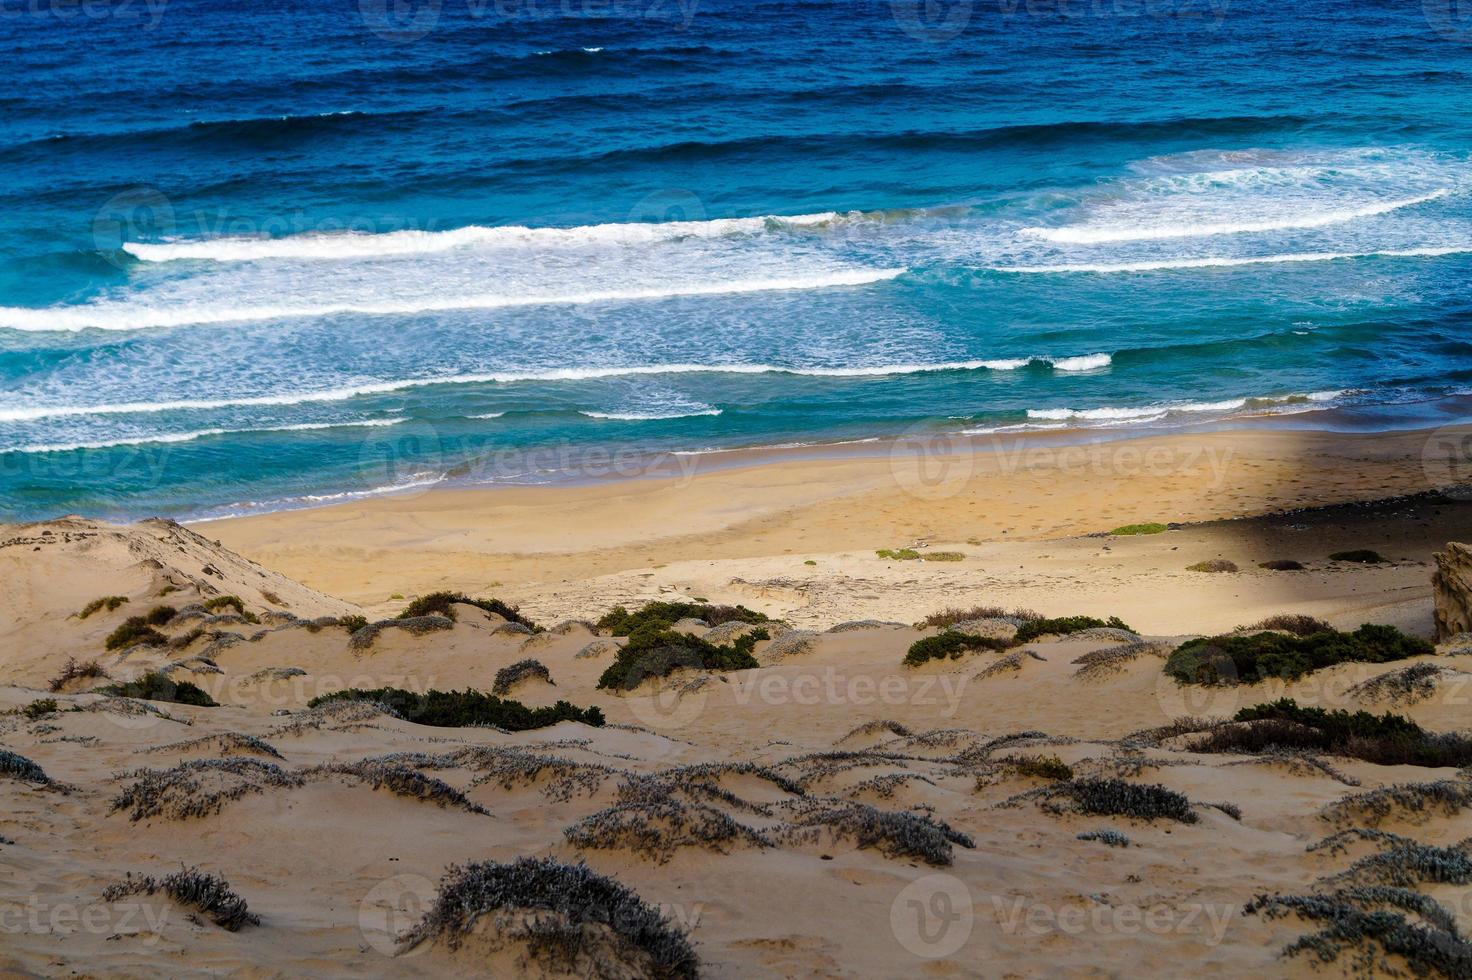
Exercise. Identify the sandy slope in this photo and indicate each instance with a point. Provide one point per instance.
(335, 868)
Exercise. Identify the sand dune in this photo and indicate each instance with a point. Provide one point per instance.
(830, 812)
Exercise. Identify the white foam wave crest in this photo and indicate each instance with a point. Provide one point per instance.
(132, 316)
(359, 245)
(487, 415)
(164, 438)
(1086, 362)
(1224, 262)
(32, 413)
(1150, 413)
(1099, 234)
(652, 416)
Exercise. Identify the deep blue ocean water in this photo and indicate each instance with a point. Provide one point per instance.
(272, 254)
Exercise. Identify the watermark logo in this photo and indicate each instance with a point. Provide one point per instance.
(932, 21)
(932, 465)
(1452, 19)
(400, 21)
(1446, 460)
(392, 908)
(932, 917)
(137, 214)
(1206, 922)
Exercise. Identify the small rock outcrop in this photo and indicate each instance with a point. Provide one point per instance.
(1451, 585)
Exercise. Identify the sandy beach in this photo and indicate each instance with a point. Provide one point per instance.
(747, 806)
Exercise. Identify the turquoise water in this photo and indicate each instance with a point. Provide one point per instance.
(301, 253)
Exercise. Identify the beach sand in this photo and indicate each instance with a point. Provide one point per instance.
(762, 873)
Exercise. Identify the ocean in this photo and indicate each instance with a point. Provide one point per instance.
(269, 255)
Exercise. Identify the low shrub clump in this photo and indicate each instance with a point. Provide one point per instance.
(443, 603)
(17, 766)
(156, 686)
(403, 780)
(1217, 565)
(894, 833)
(141, 629)
(662, 615)
(1111, 837)
(1368, 920)
(1040, 766)
(1387, 740)
(230, 602)
(563, 901)
(950, 645)
(1363, 556)
(656, 829)
(952, 615)
(40, 708)
(352, 623)
(107, 602)
(1282, 565)
(1112, 797)
(194, 889)
(75, 670)
(459, 709)
(200, 787)
(1296, 623)
(655, 651)
(1250, 658)
(1412, 801)
(898, 554)
(1133, 529)
(509, 677)
(1064, 625)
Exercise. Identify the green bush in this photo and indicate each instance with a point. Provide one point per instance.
(225, 602)
(39, 709)
(898, 554)
(1250, 658)
(443, 603)
(1041, 766)
(1213, 565)
(140, 629)
(951, 615)
(1295, 623)
(108, 602)
(352, 623)
(458, 709)
(1130, 529)
(1387, 740)
(155, 686)
(654, 651)
(948, 644)
(1362, 555)
(1065, 625)
(1115, 797)
(74, 670)
(662, 615)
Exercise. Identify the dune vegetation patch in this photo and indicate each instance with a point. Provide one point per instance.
(1111, 797)
(1366, 924)
(656, 651)
(1386, 740)
(16, 766)
(1253, 657)
(76, 670)
(952, 615)
(444, 603)
(225, 743)
(576, 921)
(1412, 802)
(401, 780)
(950, 646)
(656, 830)
(107, 603)
(1282, 565)
(1296, 623)
(141, 629)
(207, 894)
(898, 554)
(1038, 766)
(199, 788)
(158, 686)
(1129, 530)
(509, 676)
(1214, 565)
(618, 621)
(898, 834)
(459, 709)
(1065, 625)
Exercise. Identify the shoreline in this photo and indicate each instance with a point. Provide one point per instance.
(559, 546)
(594, 464)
